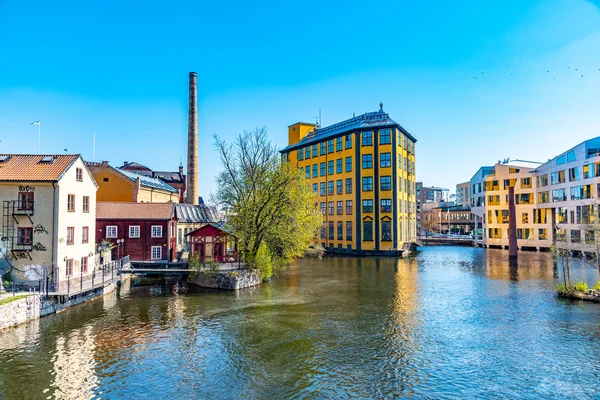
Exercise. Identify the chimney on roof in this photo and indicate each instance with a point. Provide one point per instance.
(192, 164)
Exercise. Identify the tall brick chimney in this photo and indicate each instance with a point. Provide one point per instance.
(192, 162)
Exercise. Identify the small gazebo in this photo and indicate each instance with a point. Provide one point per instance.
(213, 242)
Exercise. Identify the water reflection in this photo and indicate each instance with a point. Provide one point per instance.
(448, 323)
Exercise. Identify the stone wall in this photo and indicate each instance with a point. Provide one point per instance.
(227, 280)
(33, 306)
(20, 311)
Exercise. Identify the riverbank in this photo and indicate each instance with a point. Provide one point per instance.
(226, 277)
(29, 307)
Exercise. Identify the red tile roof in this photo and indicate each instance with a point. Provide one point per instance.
(30, 167)
(119, 210)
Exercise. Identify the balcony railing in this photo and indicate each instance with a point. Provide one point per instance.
(23, 208)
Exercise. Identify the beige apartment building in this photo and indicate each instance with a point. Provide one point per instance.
(490, 203)
(48, 216)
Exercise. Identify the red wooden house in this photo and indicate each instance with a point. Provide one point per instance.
(212, 242)
(144, 231)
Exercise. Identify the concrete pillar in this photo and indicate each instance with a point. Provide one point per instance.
(512, 225)
(192, 164)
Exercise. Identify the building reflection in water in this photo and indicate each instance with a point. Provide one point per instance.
(73, 365)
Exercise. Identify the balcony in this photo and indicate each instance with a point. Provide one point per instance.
(23, 207)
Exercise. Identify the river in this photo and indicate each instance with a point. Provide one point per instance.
(451, 322)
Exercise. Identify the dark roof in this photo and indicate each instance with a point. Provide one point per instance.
(148, 181)
(169, 177)
(218, 225)
(196, 213)
(133, 166)
(377, 119)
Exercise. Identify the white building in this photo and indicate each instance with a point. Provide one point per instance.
(568, 189)
(48, 216)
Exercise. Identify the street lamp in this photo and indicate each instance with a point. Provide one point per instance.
(119, 243)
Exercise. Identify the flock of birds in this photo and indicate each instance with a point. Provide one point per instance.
(547, 71)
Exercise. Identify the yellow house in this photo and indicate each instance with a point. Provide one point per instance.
(128, 186)
(362, 172)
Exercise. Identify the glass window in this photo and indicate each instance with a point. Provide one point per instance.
(348, 185)
(330, 187)
(367, 206)
(307, 153)
(331, 209)
(330, 167)
(322, 148)
(588, 171)
(348, 141)
(557, 177)
(559, 195)
(349, 230)
(348, 164)
(25, 201)
(367, 183)
(542, 180)
(340, 230)
(314, 150)
(386, 231)
(384, 136)
(156, 252)
(575, 236)
(338, 166)
(338, 143)
(339, 186)
(79, 174)
(85, 234)
(157, 231)
(71, 203)
(315, 170)
(300, 154)
(307, 171)
(330, 146)
(24, 236)
(70, 235)
(111, 231)
(385, 160)
(570, 156)
(322, 189)
(348, 207)
(386, 205)
(340, 207)
(573, 174)
(323, 208)
(322, 167)
(315, 187)
(367, 138)
(368, 231)
(86, 204)
(134, 231)
(367, 161)
(386, 182)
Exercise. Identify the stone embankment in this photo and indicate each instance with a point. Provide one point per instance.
(227, 280)
(35, 306)
(592, 295)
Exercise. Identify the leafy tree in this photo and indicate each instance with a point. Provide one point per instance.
(269, 201)
(593, 239)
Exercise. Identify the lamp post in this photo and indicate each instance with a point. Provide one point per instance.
(119, 243)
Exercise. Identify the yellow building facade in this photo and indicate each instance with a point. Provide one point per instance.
(362, 172)
(127, 186)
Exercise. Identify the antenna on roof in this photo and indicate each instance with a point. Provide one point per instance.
(320, 119)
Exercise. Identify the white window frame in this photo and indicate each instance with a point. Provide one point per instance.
(130, 231)
(159, 252)
(109, 230)
(161, 231)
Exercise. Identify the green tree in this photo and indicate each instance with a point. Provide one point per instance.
(269, 202)
(593, 236)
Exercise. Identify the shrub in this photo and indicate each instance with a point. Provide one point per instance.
(596, 286)
(562, 289)
(581, 287)
(316, 251)
(194, 266)
(263, 262)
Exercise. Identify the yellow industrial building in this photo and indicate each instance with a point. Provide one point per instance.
(362, 172)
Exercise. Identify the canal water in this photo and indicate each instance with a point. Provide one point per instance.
(450, 323)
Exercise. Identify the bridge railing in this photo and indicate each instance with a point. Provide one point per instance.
(106, 274)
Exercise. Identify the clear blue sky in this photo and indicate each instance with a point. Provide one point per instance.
(121, 68)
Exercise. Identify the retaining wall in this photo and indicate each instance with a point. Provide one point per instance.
(227, 280)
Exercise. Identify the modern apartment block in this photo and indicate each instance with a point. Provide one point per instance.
(568, 193)
(554, 201)
(362, 171)
(463, 194)
(428, 195)
(48, 216)
(490, 202)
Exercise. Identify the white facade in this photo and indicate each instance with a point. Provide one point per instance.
(562, 197)
(47, 233)
(568, 188)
